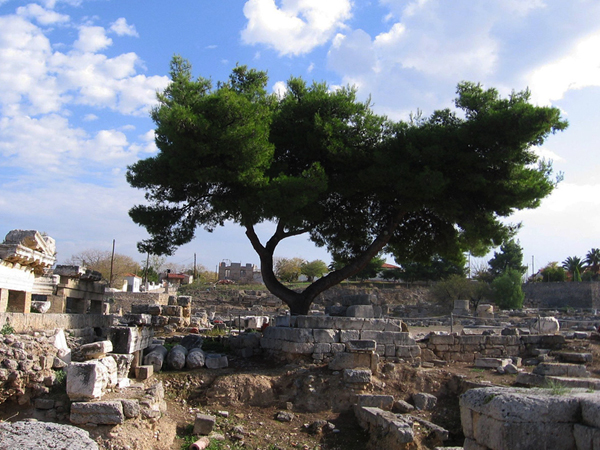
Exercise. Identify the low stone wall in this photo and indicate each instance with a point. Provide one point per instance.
(322, 337)
(498, 418)
(467, 348)
(584, 295)
(125, 300)
(40, 322)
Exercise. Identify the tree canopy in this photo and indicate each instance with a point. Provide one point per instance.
(510, 256)
(320, 162)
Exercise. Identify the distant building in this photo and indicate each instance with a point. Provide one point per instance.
(240, 274)
(134, 283)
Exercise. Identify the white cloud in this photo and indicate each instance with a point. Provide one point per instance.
(90, 117)
(92, 39)
(41, 15)
(121, 28)
(297, 26)
(280, 88)
(577, 70)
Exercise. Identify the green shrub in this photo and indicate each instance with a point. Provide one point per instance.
(506, 290)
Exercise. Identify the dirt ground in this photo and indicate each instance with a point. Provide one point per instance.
(246, 397)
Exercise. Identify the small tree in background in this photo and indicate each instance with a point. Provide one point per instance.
(457, 287)
(288, 270)
(437, 268)
(553, 273)
(592, 262)
(574, 266)
(506, 290)
(313, 269)
(100, 261)
(509, 257)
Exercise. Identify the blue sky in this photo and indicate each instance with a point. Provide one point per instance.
(78, 77)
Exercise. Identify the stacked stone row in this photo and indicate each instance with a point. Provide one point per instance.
(177, 313)
(324, 336)
(26, 366)
(467, 348)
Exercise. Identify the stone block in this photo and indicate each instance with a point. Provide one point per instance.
(216, 361)
(322, 348)
(144, 372)
(590, 409)
(361, 346)
(96, 349)
(139, 308)
(408, 351)
(160, 321)
(384, 402)
(337, 348)
(172, 310)
(324, 335)
(184, 300)
(301, 335)
(86, 380)
(365, 311)
(561, 370)
(99, 413)
(441, 339)
(574, 357)
(155, 310)
(346, 360)
(131, 408)
(360, 376)
(349, 335)
(204, 424)
(303, 348)
(44, 403)
(137, 319)
(348, 323)
(282, 321)
(491, 363)
(424, 401)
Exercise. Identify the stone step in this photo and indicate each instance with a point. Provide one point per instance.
(534, 380)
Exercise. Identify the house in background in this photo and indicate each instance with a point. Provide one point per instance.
(134, 283)
(239, 274)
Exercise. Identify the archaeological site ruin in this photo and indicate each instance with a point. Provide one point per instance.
(371, 366)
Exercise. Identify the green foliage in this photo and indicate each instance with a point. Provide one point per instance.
(556, 387)
(592, 261)
(320, 162)
(288, 269)
(574, 266)
(506, 290)
(437, 268)
(457, 287)
(7, 328)
(187, 437)
(391, 274)
(509, 257)
(553, 273)
(313, 269)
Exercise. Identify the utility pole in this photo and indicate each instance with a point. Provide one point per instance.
(146, 272)
(194, 266)
(112, 261)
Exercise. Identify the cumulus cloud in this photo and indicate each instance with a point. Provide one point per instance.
(41, 15)
(92, 39)
(297, 26)
(121, 28)
(580, 68)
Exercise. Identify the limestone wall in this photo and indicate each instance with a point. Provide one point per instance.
(41, 322)
(125, 300)
(467, 348)
(323, 337)
(562, 295)
(521, 419)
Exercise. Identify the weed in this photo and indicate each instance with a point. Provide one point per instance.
(60, 381)
(215, 332)
(7, 329)
(478, 369)
(187, 437)
(488, 399)
(556, 387)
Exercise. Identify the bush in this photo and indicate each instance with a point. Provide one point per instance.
(506, 290)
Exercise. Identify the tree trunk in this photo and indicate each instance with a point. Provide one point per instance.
(299, 302)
